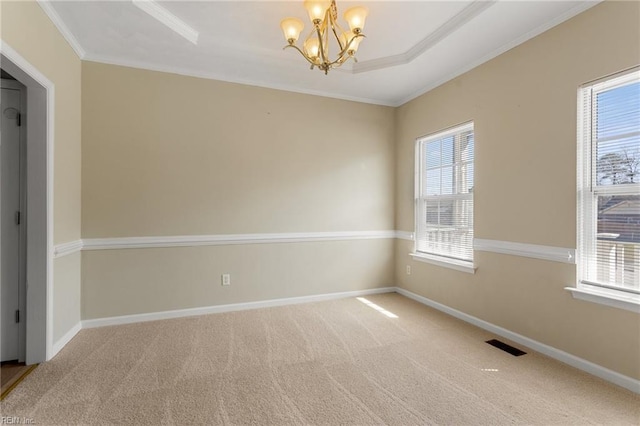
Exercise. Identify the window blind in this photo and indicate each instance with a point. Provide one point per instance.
(609, 183)
(444, 193)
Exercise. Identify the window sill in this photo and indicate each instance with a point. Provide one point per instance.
(458, 265)
(613, 298)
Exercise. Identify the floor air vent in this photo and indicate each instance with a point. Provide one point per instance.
(507, 348)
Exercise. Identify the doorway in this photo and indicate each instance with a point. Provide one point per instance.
(38, 162)
(12, 219)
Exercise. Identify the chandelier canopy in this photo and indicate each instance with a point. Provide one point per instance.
(326, 31)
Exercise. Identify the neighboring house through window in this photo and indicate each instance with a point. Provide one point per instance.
(444, 198)
(609, 187)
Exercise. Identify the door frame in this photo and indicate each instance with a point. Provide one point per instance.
(39, 158)
(22, 193)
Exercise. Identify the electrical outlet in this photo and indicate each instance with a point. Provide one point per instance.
(226, 279)
(408, 269)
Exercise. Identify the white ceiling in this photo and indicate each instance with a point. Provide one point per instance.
(411, 46)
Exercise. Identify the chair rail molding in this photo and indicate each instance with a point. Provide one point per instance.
(555, 254)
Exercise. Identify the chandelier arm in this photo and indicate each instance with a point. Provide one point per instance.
(341, 57)
(322, 32)
(346, 48)
(301, 52)
(335, 25)
(321, 47)
(336, 36)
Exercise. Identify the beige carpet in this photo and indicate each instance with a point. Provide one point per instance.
(336, 362)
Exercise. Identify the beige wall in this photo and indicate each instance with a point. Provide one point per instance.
(171, 155)
(135, 281)
(28, 30)
(523, 104)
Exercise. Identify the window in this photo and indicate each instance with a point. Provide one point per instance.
(444, 198)
(609, 187)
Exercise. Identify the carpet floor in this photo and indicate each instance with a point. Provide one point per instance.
(334, 362)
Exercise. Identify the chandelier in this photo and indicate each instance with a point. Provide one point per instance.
(326, 31)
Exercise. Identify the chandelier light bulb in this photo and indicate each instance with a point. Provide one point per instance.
(312, 49)
(356, 17)
(317, 9)
(291, 27)
(350, 36)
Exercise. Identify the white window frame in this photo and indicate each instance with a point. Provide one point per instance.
(438, 259)
(588, 191)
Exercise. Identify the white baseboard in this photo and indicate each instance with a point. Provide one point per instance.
(579, 363)
(180, 313)
(61, 343)
(572, 360)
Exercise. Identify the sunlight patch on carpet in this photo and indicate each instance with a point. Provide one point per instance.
(377, 307)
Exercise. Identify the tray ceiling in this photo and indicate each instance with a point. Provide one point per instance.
(411, 46)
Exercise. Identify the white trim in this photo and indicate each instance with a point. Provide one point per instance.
(62, 28)
(613, 298)
(51, 108)
(555, 254)
(458, 265)
(431, 40)
(581, 7)
(574, 361)
(103, 59)
(582, 364)
(65, 249)
(181, 313)
(229, 239)
(167, 18)
(61, 343)
(71, 247)
(39, 78)
(404, 235)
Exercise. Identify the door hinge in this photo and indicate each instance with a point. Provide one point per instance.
(18, 218)
(17, 315)
(19, 119)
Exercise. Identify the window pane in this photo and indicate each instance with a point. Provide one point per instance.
(446, 213)
(433, 182)
(463, 214)
(433, 154)
(617, 126)
(618, 240)
(464, 175)
(467, 147)
(618, 111)
(447, 181)
(618, 161)
(447, 150)
(432, 213)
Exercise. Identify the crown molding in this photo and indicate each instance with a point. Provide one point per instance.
(162, 15)
(225, 78)
(61, 26)
(432, 39)
(502, 49)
